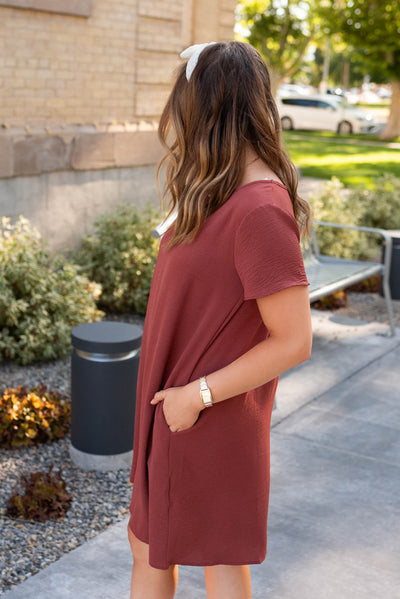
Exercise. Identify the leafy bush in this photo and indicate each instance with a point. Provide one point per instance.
(41, 298)
(44, 496)
(333, 203)
(381, 204)
(31, 417)
(121, 256)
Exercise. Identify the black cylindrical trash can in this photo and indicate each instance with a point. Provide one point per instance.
(105, 360)
(394, 280)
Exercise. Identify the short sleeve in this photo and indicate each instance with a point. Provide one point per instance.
(267, 252)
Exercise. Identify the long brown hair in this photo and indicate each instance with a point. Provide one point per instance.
(205, 127)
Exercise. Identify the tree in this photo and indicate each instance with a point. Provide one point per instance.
(372, 27)
(281, 30)
(347, 69)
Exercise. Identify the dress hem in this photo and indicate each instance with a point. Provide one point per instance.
(203, 564)
(211, 563)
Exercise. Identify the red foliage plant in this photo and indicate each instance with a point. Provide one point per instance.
(44, 496)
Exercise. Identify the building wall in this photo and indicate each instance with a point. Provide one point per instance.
(112, 63)
(82, 85)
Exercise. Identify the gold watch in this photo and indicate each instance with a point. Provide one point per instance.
(205, 393)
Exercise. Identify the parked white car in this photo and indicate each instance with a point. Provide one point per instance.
(327, 113)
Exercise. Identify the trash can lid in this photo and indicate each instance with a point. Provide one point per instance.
(106, 337)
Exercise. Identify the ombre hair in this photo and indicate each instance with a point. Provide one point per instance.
(205, 127)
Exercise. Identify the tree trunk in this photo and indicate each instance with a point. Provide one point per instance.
(323, 86)
(276, 80)
(346, 74)
(392, 128)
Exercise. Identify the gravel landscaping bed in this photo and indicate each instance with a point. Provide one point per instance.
(99, 499)
(370, 307)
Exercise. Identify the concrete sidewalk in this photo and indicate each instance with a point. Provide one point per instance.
(334, 519)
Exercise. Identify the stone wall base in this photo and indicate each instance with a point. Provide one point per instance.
(64, 205)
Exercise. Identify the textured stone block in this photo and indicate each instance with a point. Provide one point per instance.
(153, 71)
(81, 8)
(227, 19)
(40, 154)
(151, 99)
(93, 151)
(157, 8)
(159, 33)
(228, 5)
(137, 148)
(6, 157)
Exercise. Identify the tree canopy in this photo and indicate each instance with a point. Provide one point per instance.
(372, 28)
(281, 30)
(368, 31)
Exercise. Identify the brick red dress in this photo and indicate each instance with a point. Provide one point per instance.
(200, 496)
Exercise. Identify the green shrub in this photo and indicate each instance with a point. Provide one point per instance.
(41, 298)
(381, 204)
(28, 417)
(378, 207)
(333, 203)
(44, 496)
(121, 256)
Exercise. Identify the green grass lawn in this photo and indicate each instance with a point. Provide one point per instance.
(341, 136)
(365, 105)
(325, 155)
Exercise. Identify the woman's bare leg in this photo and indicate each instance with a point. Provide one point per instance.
(228, 581)
(148, 582)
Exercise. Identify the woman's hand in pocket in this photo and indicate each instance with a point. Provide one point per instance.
(181, 407)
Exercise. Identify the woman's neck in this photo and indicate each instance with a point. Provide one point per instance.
(256, 169)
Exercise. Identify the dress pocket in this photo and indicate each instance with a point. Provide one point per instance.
(161, 419)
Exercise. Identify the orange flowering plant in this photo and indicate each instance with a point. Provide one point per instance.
(28, 417)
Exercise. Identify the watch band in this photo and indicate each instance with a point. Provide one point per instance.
(205, 393)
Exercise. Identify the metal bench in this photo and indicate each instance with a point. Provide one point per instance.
(327, 274)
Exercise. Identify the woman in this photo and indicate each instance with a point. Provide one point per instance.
(228, 313)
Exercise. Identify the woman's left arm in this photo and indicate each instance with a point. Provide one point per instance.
(286, 314)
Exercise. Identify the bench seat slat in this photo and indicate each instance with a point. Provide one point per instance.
(327, 274)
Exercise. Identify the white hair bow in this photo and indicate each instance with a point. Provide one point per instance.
(193, 53)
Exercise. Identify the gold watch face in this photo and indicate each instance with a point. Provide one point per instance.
(206, 396)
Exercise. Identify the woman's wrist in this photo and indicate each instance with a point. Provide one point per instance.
(194, 391)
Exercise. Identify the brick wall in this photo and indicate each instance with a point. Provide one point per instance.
(111, 63)
(61, 68)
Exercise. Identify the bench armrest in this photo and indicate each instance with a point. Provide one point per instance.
(385, 234)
